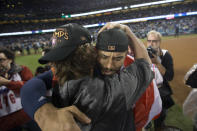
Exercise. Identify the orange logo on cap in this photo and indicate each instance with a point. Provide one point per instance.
(60, 34)
(111, 48)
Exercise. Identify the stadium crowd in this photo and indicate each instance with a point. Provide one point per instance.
(139, 13)
(68, 6)
(187, 25)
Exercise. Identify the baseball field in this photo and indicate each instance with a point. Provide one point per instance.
(184, 52)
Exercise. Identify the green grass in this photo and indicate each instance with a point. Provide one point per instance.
(30, 61)
(176, 118)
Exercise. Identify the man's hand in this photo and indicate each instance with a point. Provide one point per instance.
(113, 25)
(50, 118)
(155, 60)
(3, 81)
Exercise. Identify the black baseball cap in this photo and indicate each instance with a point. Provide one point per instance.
(112, 40)
(65, 40)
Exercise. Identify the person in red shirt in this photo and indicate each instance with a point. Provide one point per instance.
(12, 78)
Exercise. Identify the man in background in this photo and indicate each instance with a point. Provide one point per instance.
(164, 62)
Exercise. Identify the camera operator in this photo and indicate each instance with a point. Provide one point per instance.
(164, 62)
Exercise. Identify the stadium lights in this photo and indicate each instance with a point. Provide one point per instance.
(191, 13)
(94, 25)
(16, 33)
(169, 16)
(120, 8)
(96, 12)
(154, 3)
(143, 19)
(126, 7)
(49, 30)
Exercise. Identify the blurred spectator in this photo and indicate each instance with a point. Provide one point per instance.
(190, 103)
(45, 50)
(35, 47)
(28, 48)
(12, 78)
(39, 70)
(191, 77)
(176, 31)
(190, 107)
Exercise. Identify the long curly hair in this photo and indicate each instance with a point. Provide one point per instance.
(78, 64)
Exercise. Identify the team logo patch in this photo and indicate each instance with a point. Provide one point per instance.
(83, 38)
(58, 36)
(111, 48)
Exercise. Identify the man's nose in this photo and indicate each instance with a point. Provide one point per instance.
(151, 43)
(109, 64)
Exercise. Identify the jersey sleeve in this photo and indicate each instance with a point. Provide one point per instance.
(33, 93)
(33, 96)
(25, 75)
(47, 78)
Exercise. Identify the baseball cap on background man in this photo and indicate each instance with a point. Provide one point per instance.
(112, 40)
(66, 39)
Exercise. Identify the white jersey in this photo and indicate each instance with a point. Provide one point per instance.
(158, 76)
(9, 101)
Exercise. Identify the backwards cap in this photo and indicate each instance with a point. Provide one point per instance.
(65, 40)
(112, 40)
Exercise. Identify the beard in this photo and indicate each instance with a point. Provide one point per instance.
(107, 71)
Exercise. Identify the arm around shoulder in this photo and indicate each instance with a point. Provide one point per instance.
(33, 96)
